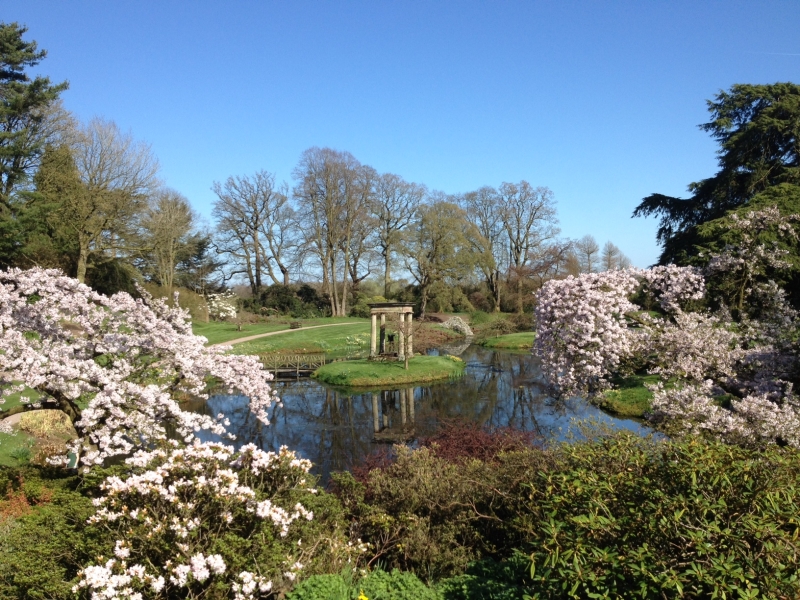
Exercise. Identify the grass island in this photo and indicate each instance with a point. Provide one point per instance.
(371, 373)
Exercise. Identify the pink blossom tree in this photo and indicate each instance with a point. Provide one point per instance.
(732, 380)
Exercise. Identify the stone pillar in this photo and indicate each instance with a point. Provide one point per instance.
(410, 397)
(410, 342)
(383, 333)
(402, 394)
(372, 335)
(401, 338)
(376, 417)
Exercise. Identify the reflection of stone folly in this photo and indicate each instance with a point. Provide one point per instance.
(393, 415)
(377, 347)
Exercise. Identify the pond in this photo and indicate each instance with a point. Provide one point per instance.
(336, 428)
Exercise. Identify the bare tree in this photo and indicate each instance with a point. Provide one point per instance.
(529, 219)
(483, 208)
(587, 252)
(254, 227)
(438, 247)
(393, 208)
(612, 258)
(364, 239)
(331, 195)
(166, 226)
(112, 176)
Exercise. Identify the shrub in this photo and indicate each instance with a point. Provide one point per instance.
(376, 585)
(432, 516)
(625, 517)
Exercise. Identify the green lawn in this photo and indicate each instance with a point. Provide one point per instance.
(511, 341)
(218, 332)
(332, 340)
(631, 398)
(15, 448)
(366, 373)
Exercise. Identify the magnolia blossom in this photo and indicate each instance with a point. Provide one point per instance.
(581, 330)
(222, 306)
(727, 380)
(127, 360)
(754, 419)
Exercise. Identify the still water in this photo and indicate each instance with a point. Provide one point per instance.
(334, 428)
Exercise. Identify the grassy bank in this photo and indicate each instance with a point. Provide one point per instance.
(218, 332)
(331, 340)
(366, 373)
(631, 398)
(511, 341)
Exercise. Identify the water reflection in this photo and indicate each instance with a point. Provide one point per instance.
(335, 428)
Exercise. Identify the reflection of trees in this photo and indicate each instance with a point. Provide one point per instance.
(335, 429)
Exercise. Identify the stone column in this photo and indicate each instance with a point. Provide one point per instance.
(410, 328)
(402, 395)
(376, 417)
(383, 334)
(372, 335)
(401, 338)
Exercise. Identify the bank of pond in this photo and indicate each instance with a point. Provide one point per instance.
(479, 486)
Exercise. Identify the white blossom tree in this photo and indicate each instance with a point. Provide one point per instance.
(115, 365)
(731, 380)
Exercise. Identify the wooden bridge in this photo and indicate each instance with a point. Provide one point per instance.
(293, 364)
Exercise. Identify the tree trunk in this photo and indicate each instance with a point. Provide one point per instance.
(387, 275)
(83, 259)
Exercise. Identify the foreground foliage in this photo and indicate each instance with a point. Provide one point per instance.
(612, 516)
(618, 516)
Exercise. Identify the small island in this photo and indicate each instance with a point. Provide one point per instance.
(371, 373)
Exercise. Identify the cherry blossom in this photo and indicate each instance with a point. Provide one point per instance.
(117, 366)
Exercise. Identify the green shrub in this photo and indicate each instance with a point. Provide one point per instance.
(361, 308)
(626, 517)
(44, 539)
(434, 516)
(377, 585)
(489, 580)
(479, 317)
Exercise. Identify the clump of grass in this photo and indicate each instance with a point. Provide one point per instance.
(46, 423)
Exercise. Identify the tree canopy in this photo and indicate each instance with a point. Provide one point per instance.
(757, 129)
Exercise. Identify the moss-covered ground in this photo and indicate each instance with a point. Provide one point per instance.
(366, 373)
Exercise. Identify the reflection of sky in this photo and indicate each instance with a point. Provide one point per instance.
(334, 428)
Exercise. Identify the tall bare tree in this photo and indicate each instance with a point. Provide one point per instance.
(483, 208)
(166, 227)
(254, 223)
(529, 219)
(100, 183)
(588, 252)
(394, 206)
(330, 197)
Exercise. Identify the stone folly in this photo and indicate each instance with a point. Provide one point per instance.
(378, 346)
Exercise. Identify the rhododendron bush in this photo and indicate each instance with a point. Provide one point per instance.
(205, 521)
(729, 379)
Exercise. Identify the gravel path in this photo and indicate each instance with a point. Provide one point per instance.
(261, 335)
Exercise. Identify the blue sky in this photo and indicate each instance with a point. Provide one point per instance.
(599, 101)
